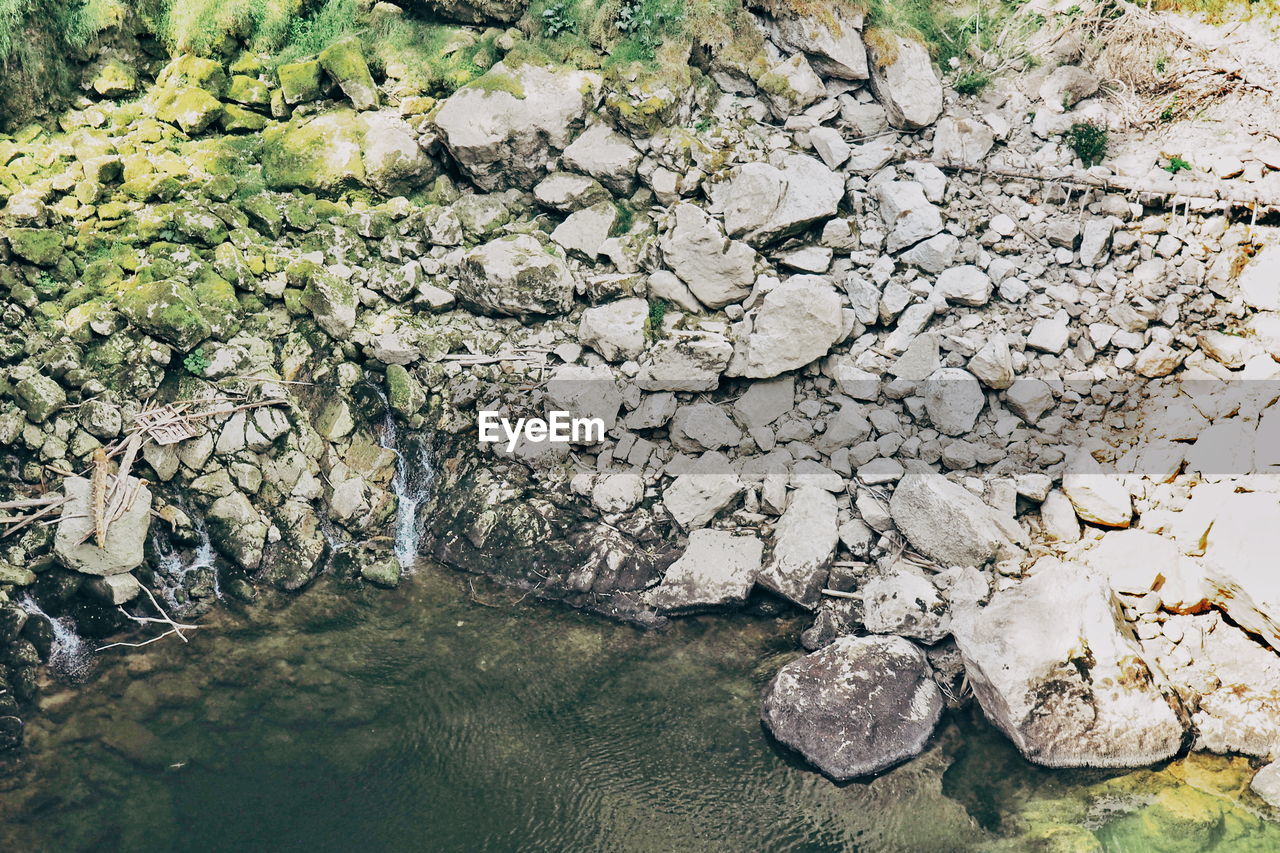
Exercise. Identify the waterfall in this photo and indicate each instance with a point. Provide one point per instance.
(70, 656)
(411, 484)
(173, 564)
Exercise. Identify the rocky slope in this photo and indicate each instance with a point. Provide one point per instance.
(862, 346)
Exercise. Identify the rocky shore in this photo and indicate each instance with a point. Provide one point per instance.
(1002, 420)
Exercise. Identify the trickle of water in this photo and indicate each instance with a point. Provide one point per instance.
(70, 656)
(174, 564)
(415, 473)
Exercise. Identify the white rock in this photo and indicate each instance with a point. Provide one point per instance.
(584, 231)
(1066, 85)
(829, 145)
(1049, 335)
(718, 270)
(831, 39)
(965, 285)
(615, 493)
(953, 400)
(764, 202)
(717, 569)
(1098, 498)
(1029, 399)
(615, 329)
(606, 155)
(804, 543)
(906, 213)
(1058, 518)
(698, 495)
(993, 364)
(961, 141)
(944, 521)
(904, 82)
(796, 323)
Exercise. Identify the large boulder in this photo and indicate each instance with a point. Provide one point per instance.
(765, 202)
(830, 36)
(344, 62)
(514, 276)
(606, 155)
(856, 707)
(1241, 540)
(719, 271)
(903, 80)
(123, 549)
(796, 323)
(505, 128)
(343, 150)
(1055, 668)
(804, 544)
(944, 521)
(167, 309)
(717, 569)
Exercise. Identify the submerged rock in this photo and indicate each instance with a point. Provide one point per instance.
(1055, 668)
(856, 707)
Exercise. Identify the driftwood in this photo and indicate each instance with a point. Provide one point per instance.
(175, 628)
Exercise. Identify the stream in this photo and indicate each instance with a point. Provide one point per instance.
(452, 715)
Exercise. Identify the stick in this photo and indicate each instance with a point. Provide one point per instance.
(835, 593)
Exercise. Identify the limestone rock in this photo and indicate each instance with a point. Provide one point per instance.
(606, 155)
(953, 400)
(903, 81)
(615, 329)
(344, 62)
(698, 495)
(905, 604)
(126, 539)
(944, 521)
(1066, 85)
(1098, 498)
(1259, 281)
(687, 362)
(796, 323)
(717, 569)
(790, 86)
(993, 364)
(1055, 669)
(961, 141)
(965, 285)
(831, 39)
(856, 707)
(804, 543)
(585, 231)
(764, 202)
(907, 214)
(514, 276)
(719, 271)
(39, 396)
(332, 302)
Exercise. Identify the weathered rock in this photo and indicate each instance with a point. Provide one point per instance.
(514, 276)
(856, 707)
(618, 492)
(764, 202)
(332, 301)
(1259, 281)
(301, 82)
(790, 86)
(804, 543)
(688, 362)
(797, 323)
(616, 329)
(606, 155)
(39, 396)
(718, 270)
(965, 285)
(703, 426)
(114, 589)
(698, 495)
(475, 11)
(167, 309)
(584, 232)
(237, 530)
(1098, 498)
(903, 80)
(1056, 670)
(993, 364)
(40, 246)
(566, 192)
(1132, 561)
(342, 150)
(909, 216)
(1066, 85)
(905, 604)
(190, 108)
(123, 549)
(505, 128)
(953, 400)
(944, 521)
(1029, 399)
(831, 38)
(344, 62)
(961, 141)
(717, 569)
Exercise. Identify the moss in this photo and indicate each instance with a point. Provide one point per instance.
(167, 309)
(40, 246)
(301, 81)
(496, 81)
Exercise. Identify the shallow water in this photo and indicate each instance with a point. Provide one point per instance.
(448, 715)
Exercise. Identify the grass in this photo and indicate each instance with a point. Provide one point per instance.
(1088, 141)
(971, 82)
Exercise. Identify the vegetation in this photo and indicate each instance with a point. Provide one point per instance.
(195, 362)
(971, 82)
(1176, 165)
(1089, 141)
(653, 323)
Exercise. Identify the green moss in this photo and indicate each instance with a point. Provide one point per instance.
(496, 81)
(40, 246)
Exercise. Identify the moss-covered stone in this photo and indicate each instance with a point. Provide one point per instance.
(168, 310)
(40, 246)
(198, 225)
(39, 396)
(332, 301)
(249, 91)
(404, 394)
(301, 82)
(321, 154)
(153, 187)
(218, 304)
(190, 108)
(191, 71)
(115, 80)
(264, 215)
(344, 62)
(236, 119)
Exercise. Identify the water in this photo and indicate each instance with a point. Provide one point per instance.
(414, 476)
(174, 566)
(448, 715)
(70, 656)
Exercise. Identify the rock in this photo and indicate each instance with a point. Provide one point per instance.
(1157, 360)
(474, 11)
(115, 80)
(667, 286)
(1259, 281)
(830, 146)
(237, 530)
(993, 364)
(114, 589)
(1066, 85)
(961, 141)
(585, 392)
(405, 395)
(195, 71)
(1055, 669)
(1132, 561)
(953, 400)
(718, 271)
(126, 538)
(689, 362)
(190, 108)
(796, 323)
(584, 232)
(1096, 241)
(1029, 399)
(343, 61)
(382, 570)
(905, 604)
(616, 329)
(514, 276)
(764, 402)
(965, 285)
(40, 246)
(301, 82)
(249, 91)
(342, 150)
(169, 310)
(716, 570)
(565, 192)
(394, 162)
(1058, 517)
(506, 127)
(932, 255)
(618, 493)
(698, 495)
(1049, 335)
(1239, 558)
(804, 543)
(830, 38)
(764, 202)
(907, 214)
(903, 81)
(944, 521)
(703, 426)
(790, 86)
(1098, 498)
(606, 155)
(856, 707)
(39, 396)
(332, 302)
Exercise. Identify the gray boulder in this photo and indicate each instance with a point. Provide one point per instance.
(804, 543)
(953, 399)
(908, 215)
(126, 538)
(685, 362)
(796, 323)
(606, 155)
(903, 81)
(514, 276)
(615, 329)
(764, 202)
(856, 707)
(944, 521)
(718, 270)
(1054, 667)
(830, 38)
(717, 569)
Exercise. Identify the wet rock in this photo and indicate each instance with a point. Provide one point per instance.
(123, 549)
(944, 521)
(856, 707)
(797, 323)
(804, 543)
(903, 80)
(1055, 669)
(114, 589)
(237, 530)
(717, 569)
(718, 271)
(506, 127)
(514, 276)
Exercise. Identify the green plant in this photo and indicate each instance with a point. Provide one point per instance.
(653, 323)
(195, 362)
(557, 19)
(1089, 141)
(1176, 165)
(1170, 112)
(626, 218)
(971, 82)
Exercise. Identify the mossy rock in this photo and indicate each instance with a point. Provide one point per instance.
(404, 394)
(249, 91)
(40, 246)
(264, 215)
(301, 82)
(344, 62)
(167, 309)
(39, 396)
(236, 119)
(199, 225)
(194, 71)
(153, 187)
(321, 154)
(218, 304)
(115, 80)
(190, 108)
